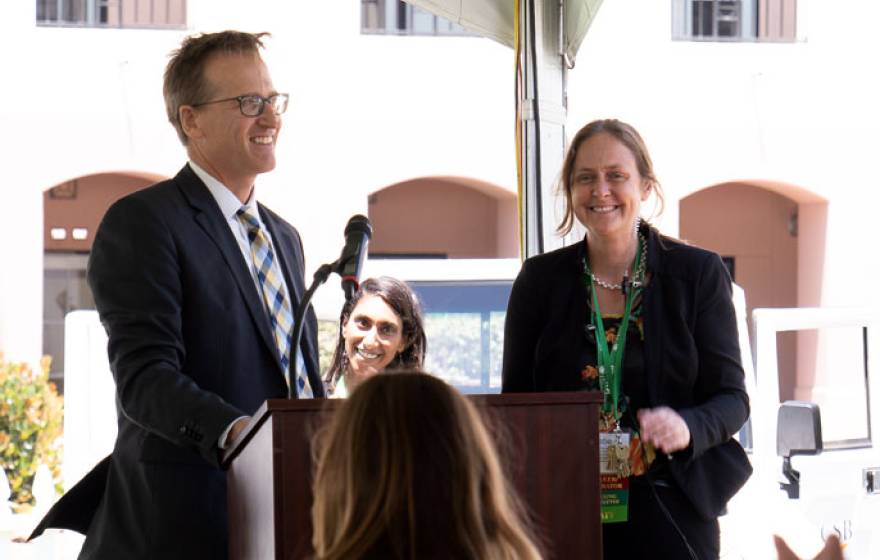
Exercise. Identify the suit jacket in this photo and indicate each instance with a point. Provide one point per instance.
(191, 349)
(691, 352)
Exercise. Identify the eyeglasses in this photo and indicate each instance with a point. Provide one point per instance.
(253, 105)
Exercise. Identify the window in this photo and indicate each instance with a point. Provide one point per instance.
(464, 323)
(395, 17)
(464, 304)
(734, 20)
(842, 394)
(64, 290)
(722, 19)
(112, 13)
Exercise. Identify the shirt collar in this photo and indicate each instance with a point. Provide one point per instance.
(229, 203)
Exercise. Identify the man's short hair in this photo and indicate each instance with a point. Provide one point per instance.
(184, 82)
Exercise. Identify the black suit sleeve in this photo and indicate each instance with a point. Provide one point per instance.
(135, 275)
(522, 327)
(722, 402)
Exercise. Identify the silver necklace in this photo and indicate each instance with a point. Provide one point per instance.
(640, 273)
(607, 285)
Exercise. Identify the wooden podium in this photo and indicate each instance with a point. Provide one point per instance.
(548, 443)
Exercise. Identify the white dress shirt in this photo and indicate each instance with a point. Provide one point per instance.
(229, 206)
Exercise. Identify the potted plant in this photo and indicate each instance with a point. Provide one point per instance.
(31, 424)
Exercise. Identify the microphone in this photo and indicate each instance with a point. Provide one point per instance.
(357, 237)
(358, 232)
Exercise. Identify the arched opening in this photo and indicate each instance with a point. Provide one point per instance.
(443, 217)
(772, 237)
(72, 211)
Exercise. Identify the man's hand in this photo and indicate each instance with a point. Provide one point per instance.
(664, 428)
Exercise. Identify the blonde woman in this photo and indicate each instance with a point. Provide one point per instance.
(406, 470)
(648, 321)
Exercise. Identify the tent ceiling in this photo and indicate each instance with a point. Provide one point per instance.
(494, 18)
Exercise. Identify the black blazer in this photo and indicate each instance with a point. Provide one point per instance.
(191, 350)
(692, 355)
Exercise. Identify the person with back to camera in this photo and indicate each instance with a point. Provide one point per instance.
(380, 328)
(649, 321)
(406, 470)
(195, 282)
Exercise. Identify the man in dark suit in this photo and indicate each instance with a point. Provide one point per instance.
(196, 284)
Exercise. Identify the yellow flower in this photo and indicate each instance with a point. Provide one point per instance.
(34, 415)
(45, 364)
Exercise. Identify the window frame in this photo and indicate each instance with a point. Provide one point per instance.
(92, 14)
(754, 19)
(396, 17)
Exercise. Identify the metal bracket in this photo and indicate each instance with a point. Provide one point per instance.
(793, 486)
(871, 480)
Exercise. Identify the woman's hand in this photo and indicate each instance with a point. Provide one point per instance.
(831, 551)
(664, 428)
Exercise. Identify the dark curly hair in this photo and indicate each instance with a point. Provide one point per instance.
(400, 297)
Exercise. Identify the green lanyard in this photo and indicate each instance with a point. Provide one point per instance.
(611, 360)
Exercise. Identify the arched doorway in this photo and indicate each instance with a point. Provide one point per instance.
(472, 226)
(72, 211)
(772, 237)
(443, 217)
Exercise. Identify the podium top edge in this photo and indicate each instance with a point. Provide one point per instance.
(274, 406)
(505, 399)
(551, 398)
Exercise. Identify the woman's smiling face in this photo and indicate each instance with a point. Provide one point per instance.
(373, 337)
(607, 190)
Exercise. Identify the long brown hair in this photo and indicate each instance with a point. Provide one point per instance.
(398, 295)
(406, 469)
(625, 134)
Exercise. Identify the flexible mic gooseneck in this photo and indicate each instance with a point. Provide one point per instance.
(357, 238)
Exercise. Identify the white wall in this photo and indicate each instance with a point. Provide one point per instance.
(804, 113)
(369, 111)
(366, 112)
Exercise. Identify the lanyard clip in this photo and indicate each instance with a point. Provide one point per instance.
(625, 285)
(590, 332)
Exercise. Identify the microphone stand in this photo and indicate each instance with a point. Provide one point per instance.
(319, 278)
(357, 224)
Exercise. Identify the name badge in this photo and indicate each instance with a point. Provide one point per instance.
(614, 471)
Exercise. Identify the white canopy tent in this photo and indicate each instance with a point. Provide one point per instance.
(495, 19)
(545, 36)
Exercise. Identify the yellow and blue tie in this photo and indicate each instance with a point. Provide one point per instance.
(274, 296)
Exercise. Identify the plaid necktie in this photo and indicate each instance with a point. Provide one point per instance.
(274, 296)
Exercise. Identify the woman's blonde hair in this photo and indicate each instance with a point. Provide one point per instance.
(406, 469)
